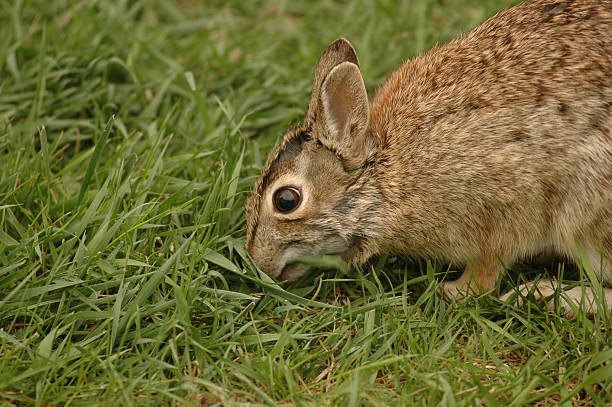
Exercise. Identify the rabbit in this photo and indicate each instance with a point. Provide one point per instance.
(491, 148)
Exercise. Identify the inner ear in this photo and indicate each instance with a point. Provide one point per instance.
(345, 103)
(339, 106)
(336, 53)
(344, 116)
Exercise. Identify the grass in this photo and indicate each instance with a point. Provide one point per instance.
(130, 134)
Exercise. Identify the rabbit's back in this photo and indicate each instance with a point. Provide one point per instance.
(504, 134)
(528, 54)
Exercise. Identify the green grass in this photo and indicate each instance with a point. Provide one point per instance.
(130, 134)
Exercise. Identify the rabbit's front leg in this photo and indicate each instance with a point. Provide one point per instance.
(478, 277)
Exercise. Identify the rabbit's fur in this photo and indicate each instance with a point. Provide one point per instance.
(493, 147)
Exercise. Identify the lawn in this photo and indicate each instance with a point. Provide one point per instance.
(131, 133)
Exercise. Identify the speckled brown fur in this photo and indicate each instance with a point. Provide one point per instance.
(493, 147)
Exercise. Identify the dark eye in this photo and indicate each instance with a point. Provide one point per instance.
(287, 199)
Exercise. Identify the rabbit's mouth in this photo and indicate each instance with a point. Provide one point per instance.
(287, 271)
(293, 271)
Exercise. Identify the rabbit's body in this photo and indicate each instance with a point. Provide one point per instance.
(495, 146)
(499, 143)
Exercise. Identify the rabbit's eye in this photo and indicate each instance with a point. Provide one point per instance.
(287, 199)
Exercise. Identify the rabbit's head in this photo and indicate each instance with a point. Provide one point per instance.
(315, 197)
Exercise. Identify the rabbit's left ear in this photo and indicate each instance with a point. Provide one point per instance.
(336, 53)
(344, 113)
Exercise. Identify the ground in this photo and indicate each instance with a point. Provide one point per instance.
(130, 134)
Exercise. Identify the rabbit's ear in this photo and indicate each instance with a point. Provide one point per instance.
(344, 115)
(336, 53)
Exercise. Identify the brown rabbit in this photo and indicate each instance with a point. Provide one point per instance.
(493, 147)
